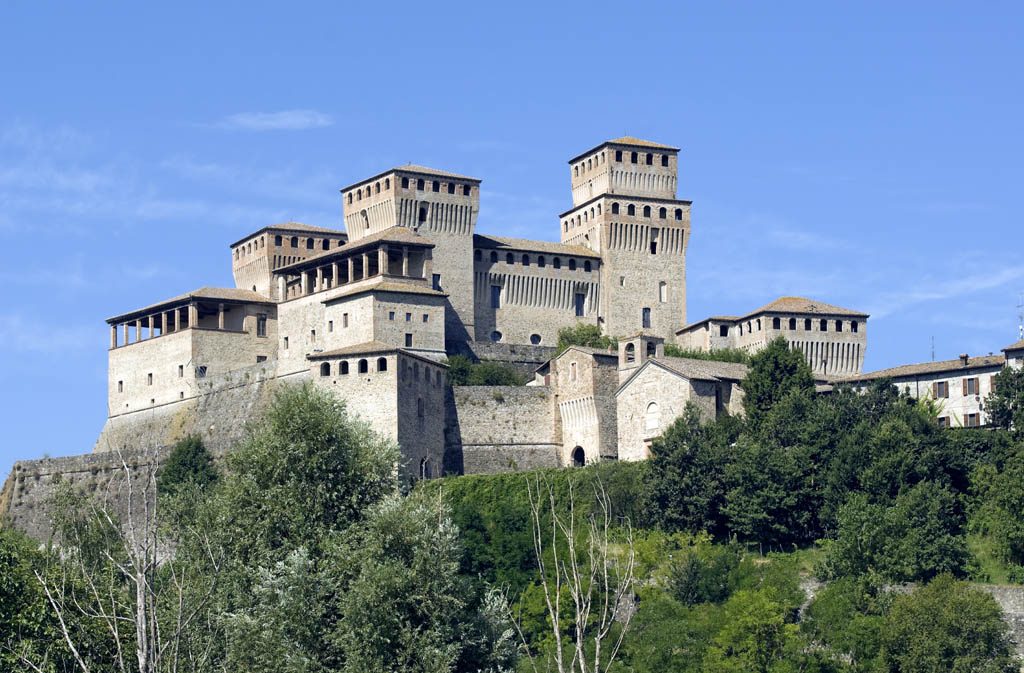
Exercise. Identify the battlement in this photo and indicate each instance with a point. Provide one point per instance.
(626, 166)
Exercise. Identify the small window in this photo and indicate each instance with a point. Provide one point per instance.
(408, 341)
(277, 240)
(645, 317)
(295, 241)
(649, 159)
(807, 324)
(435, 186)
(382, 364)
(662, 213)
(723, 330)
(330, 325)
(776, 323)
(261, 358)
(364, 366)
(557, 263)
(405, 183)
(823, 326)
(408, 317)
(854, 326)
(663, 292)
(572, 264)
(201, 372)
(466, 190)
(541, 261)
(940, 390)
(792, 323)
(495, 296)
(181, 371)
(343, 368)
(535, 339)
(350, 197)
(630, 352)
(758, 324)
(120, 386)
(423, 214)
(326, 245)
(495, 336)
(615, 209)
(435, 281)
(325, 369)
(261, 324)
(632, 157)
(309, 244)
(510, 258)
(943, 421)
(572, 371)
(652, 418)
(426, 317)
(647, 211)
(477, 256)
(344, 319)
(359, 195)
(391, 315)
(451, 187)
(149, 379)
(419, 184)
(494, 257)
(286, 343)
(387, 183)
(839, 325)
(586, 265)
(580, 303)
(679, 213)
(312, 336)
(664, 160)
(631, 209)
(419, 407)
(618, 155)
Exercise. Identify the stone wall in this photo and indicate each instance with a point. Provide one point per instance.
(523, 358)
(493, 429)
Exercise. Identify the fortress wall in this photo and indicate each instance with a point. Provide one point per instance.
(495, 429)
(523, 358)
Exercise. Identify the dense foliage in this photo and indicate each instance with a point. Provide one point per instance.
(716, 354)
(188, 463)
(462, 371)
(586, 335)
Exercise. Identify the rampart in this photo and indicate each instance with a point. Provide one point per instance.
(500, 428)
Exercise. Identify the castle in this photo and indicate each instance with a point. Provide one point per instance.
(372, 313)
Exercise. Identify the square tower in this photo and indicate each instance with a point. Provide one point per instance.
(625, 209)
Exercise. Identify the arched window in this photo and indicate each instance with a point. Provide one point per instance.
(758, 324)
(576, 171)
(630, 352)
(652, 417)
(679, 213)
(325, 369)
(839, 325)
(585, 216)
(589, 165)
(664, 160)
(344, 368)
(599, 209)
(586, 265)
(494, 257)
(382, 364)
(477, 255)
(364, 366)
(807, 324)
(423, 214)
(466, 190)
(376, 188)
(854, 326)
(572, 264)
(416, 371)
(591, 213)
(776, 323)
(615, 209)
(510, 258)
(278, 240)
(295, 241)
(327, 244)
(419, 184)
(435, 186)
(631, 209)
(557, 263)
(350, 197)
(359, 195)
(792, 323)
(663, 292)
(419, 407)
(579, 458)
(824, 325)
(526, 260)
(309, 244)
(535, 339)
(662, 213)
(650, 159)
(405, 183)
(647, 211)
(387, 184)
(541, 261)
(618, 155)
(632, 157)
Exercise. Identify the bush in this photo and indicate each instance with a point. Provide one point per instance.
(584, 335)
(463, 372)
(189, 463)
(718, 354)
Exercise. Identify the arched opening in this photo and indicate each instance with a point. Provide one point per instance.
(510, 258)
(494, 257)
(632, 157)
(652, 417)
(387, 183)
(615, 209)
(364, 366)
(586, 265)
(477, 256)
(679, 213)
(647, 211)
(572, 264)
(495, 336)
(649, 159)
(382, 364)
(295, 241)
(526, 260)
(645, 318)
(535, 339)
(423, 214)
(579, 458)
(343, 368)
(776, 323)
(630, 352)
(376, 188)
(325, 369)
(618, 155)
(278, 240)
(451, 187)
(792, 323)
(664, 160)
(663, 292)
(405, 183)
(557, 263)
(436, 186)
(541, 261)
(326, 244)
(631, 209)
(419, 184)
(309, 244)
(359, 195)
(662, 213)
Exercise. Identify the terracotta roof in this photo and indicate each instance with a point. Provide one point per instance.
(502, 243)
(802, 305)
(292, 226)
(212, 293)
(931, 368)
(1015, 347)
(382, 286)
(390, 235)
(627, 140)
(412, 168)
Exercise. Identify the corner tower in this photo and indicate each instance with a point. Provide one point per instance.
(625, 209)
(440, 206)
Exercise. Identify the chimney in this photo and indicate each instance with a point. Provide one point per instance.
(963, 359)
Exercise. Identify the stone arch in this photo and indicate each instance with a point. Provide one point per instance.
(579, 457)
(364, 366)
(382, 364)
(325, 369)
(652, 416)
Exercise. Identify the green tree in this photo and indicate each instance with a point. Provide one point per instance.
(999, 506)
(716, 354)
(847, 617)
(1005, 404)
(188, 463)
(946, 626)
(459, 368)
(774, 371)
(462, 371)
(583, 334)
(753, 637)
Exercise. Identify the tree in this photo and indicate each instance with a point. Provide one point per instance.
(188, 463)
(999, 506)
(1005, 404)
(946, 626)
(774, 371)
(583, 334)
(463, 372)
(715, 354)
(753, 637)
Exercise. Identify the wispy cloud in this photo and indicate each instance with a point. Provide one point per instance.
(936, 290)
(24, 334)
(285, 120)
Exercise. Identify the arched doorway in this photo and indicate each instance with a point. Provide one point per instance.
(579, 458)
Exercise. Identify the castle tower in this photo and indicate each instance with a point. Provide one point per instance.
(255, 257)
(637, 349)
(625, 209)
(440, 206)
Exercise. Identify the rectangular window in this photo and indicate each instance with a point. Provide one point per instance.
(408, 317)
(495, 296)
(622, 281)
(120, 386)
(286, 343)
(645, 318)
(312, 335)
(972, 420)
(807, 324)
(330, 325)
(425, 317)
(579, 302)
(181, 371)
(943, 421)
(970, 386)
(261, 358)
(344, 319)
(261, 324)
(940, 389)
(436, 281)
(723, 330)
(572, 371)
(149, 379)
(408, 341)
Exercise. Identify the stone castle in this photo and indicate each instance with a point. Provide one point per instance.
(372, 313)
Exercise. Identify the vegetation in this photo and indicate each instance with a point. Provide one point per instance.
(189, 463)
(1005, 405)
(716, 354)
(586, 335)
(462, 371)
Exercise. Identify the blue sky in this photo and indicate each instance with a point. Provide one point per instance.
(866, 155)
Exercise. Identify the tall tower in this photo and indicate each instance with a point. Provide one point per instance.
(625, 209)
(440, 206)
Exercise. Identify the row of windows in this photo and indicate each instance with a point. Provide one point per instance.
(634, 158)
(249, 247)
(435, 186)
(968, 386)
(363, 367)
(970, 421)
(791, 324)
(310, 243)
(586, 216)
(542, 261)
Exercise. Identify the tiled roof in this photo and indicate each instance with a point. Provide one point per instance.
(503, 243)
(211, 293)
(292, 226)
(704, 369)
(389, 235)
(931, 368)
(1015, 347)
(802, 305)
(383, 286)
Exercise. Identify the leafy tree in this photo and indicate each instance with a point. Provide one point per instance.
(999, 506)
(459, 368)
(188, 463)
(753, 637)
(463, 372)
(668, 637)
(583, 334)
(946, 626)
(774, 371)
(704, 573)
(1005, 404)
(716, 354)
(847, 617)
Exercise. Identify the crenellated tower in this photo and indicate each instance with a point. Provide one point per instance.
(625, 209)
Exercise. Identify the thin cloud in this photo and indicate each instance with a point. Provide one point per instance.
(286, 120)
(24, 334)
(890, 303)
